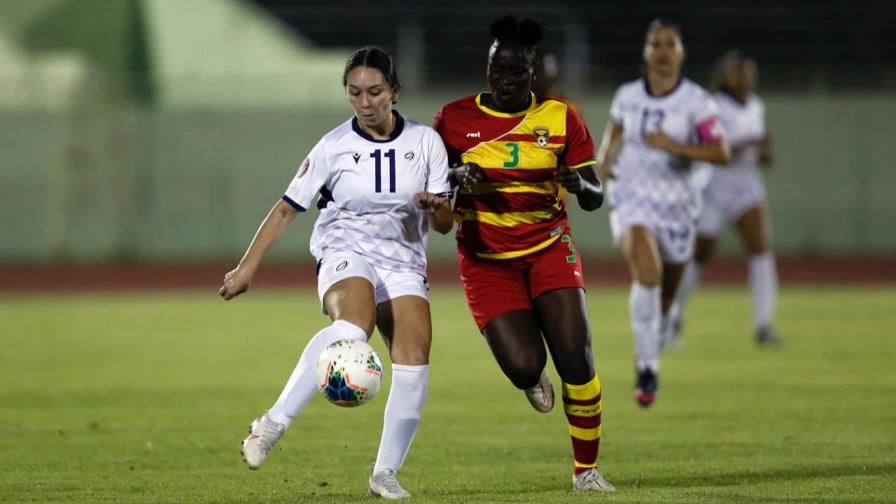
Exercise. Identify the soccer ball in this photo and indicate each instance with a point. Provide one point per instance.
(349, 373)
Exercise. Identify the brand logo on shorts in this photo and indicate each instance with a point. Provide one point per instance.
(342, 265)
(542, 135)
(409, 155)
(474, 134)
(356, 157)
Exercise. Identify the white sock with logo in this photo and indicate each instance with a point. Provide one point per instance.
(302, 383)
(410, 388)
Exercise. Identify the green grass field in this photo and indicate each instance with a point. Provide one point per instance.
(145, 398)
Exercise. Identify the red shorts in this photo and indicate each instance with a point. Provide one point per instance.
(496, 286)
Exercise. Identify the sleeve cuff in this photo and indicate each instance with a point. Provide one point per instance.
(293, 204)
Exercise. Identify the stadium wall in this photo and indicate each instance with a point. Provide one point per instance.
(133, 183)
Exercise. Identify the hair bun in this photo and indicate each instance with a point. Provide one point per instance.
(530, 32)
(505, 28)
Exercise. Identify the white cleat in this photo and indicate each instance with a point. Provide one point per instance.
(386, 485)
(263, 435)
(541, 396)
(591, 481)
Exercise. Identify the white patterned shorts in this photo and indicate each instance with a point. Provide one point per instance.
(667, 207)
(387, 284)
(726, 198)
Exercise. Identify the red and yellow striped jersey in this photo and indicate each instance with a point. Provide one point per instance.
(516, 210)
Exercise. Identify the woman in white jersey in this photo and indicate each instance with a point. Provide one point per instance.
(382, 180)
(736, 194)
(658, 125)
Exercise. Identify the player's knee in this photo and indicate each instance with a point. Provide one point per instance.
(648, 277)
(577, 367)
(523, 373)
(410, 354)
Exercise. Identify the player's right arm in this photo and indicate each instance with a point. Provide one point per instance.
(269, 232)
(311, 176)
(609, 148)
(611, 142)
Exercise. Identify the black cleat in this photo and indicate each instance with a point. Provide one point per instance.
(766, 336)
(646, 386)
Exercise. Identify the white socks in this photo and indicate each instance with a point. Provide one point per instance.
(302, 383)
(645, 312)
(410, 387)
(764, 287)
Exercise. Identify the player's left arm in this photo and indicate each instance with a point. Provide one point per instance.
(712, 146)
(575, 169)
(437, 208)
(435, 201)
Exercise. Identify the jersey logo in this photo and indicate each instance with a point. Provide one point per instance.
(474, 135)
(303, 168)
(342, 265)
(356, 157)
(542, 134)
(409, 155)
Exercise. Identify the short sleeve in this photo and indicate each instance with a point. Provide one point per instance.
(706, 118)
(440, 126)
(760, 106)
(313, 173)
(616, 108)
(579, 145)
(437, 157)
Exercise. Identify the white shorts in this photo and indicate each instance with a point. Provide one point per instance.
(675, 239)
(387, 284)
(727, 197)
(667, 208)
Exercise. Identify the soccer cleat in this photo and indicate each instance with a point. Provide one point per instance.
(766, 336)
(541, 396)
(263, 435)
(386, 485)
(646, 386)
(591, 481)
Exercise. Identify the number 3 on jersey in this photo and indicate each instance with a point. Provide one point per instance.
(377, 156)
(514, 155)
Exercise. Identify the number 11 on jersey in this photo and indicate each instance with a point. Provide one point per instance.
(377, 156)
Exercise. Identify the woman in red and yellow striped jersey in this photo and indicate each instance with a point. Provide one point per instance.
(520, 269)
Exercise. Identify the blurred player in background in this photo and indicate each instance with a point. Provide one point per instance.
(547, 70)
(658, 125)
(736, 194)
(521, 272)
(383, 181)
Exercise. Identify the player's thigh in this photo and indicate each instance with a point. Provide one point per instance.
(515, 340)
(753, 230)
(406, 326)
(346, 289)
(641, 252)
(493, 288)
(564, 319)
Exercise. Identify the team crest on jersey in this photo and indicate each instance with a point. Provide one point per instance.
(542, 134)
(303, 168)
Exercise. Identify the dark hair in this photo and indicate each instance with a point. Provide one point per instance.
(518, 34)
(656, 24)
(373, 57)
(729, 59)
